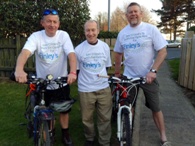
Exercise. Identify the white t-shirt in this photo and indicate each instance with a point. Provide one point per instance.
(92, 60)
(139, 45)
(51, 52)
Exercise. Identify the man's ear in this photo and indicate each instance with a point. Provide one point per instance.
(98, 31)
(41, 22)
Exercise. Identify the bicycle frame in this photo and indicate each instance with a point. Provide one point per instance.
(123, 105)
(122, 93)
(43, 116)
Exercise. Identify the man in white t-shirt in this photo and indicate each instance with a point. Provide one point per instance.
(52, 49)
(139, 41)
(93, 57)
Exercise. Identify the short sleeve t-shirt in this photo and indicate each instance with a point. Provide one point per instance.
(139, 45)
(51, 52)
(92, 60)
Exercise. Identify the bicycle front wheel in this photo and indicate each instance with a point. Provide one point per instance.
(126, 138)
(44, 135)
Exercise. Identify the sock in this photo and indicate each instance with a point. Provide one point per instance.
(65, 133)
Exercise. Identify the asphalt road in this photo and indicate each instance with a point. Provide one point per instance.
(173, 53)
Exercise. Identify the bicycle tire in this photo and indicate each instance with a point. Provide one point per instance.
(114, 107)
(115, 102)
(126, 138)
(43, 138)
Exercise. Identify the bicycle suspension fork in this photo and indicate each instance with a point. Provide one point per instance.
(119, 117)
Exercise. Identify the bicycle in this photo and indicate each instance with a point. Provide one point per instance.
(41, 119)
(124, 95)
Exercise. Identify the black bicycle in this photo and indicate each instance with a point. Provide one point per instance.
(41, 120)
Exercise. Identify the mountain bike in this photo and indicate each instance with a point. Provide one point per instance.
(124, 95)
(41, 120)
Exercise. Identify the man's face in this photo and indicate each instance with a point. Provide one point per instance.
(134, 15)
(51, 24)
(91, 32)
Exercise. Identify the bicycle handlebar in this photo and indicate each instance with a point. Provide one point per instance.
(113, 79)
(49, 79)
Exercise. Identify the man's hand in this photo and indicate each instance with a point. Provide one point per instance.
(72, 76)
(20, 76)
(150, 77)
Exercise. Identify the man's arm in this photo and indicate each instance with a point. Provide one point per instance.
(157, 63)
(160, 58)
(20, 75)
(118, 60)
(73, 68)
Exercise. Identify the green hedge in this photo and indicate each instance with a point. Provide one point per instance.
(107, 34)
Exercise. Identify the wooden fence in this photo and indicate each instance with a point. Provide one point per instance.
(10, 49)
(187, 62)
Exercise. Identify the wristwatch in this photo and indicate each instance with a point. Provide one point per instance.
(153, 70)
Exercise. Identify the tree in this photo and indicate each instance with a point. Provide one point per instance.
(102, 20)
(173, 14)
(118, 20)
(188, 12)
(147, 16)
(23, 17)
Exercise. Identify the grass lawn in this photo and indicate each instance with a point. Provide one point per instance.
(174, 67)
(13, 124)
(13, 129)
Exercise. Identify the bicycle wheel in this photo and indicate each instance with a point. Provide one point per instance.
(114, 107)
(115, 97)
(29, 114)
(43, 137)
(126, 138)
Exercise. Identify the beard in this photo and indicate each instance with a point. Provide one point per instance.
(134, 22)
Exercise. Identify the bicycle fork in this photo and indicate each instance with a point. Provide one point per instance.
(119, 117)
(45, 115)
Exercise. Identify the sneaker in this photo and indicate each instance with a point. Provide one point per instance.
(67, 142)
(89, 143)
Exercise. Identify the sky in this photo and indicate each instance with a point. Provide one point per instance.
(97, 6)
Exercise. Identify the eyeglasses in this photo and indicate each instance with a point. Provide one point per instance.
(49, 11)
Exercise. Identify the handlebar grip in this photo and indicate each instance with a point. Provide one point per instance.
(12, 76)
